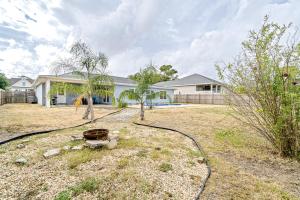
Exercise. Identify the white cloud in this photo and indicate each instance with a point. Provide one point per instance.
(191, 35)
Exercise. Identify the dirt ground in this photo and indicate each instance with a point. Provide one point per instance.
(244, 165)
(147, 164)
(18, 118)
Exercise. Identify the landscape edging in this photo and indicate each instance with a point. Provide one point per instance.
(196, 144)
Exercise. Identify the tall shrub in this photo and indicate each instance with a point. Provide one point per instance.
(262, 83)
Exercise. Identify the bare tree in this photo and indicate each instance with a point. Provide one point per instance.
(261, 83)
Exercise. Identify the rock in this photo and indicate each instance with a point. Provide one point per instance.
(79, 147)
(21, 161)
(112, 144)
(66, 148)
(21, 146)
(116, 132)
(51, 153)
(76, 137)
(25, 140)
(94, 144)
(113, 137)
(201, 160)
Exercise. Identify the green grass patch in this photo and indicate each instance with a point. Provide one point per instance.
(165, 167)
(161, 154)
(124, 162)
(89, 185)
(194, 153)
(76, 158)
(130, 143)
(231, 137)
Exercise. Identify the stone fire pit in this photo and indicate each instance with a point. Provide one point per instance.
(96, 138)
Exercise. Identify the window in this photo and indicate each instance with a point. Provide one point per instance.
(23, 83)
(163, 95)
(219, 89)
(202, 87)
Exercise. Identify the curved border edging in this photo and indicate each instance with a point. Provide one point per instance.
(58, 129)
(195, 143)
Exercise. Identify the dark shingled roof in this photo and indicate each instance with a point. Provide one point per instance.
(116, 79)
(194, 79)
(14, 80)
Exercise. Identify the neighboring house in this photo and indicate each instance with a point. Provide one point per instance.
(42, 86)
(21, 83)
(193, 84)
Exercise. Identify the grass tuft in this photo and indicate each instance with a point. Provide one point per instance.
(165, 167)
(123, 163)
(78, 157)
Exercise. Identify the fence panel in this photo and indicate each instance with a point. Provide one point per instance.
(17, 97)
(217, 99)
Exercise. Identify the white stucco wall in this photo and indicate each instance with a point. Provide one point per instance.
(120, 88)
(39, 94)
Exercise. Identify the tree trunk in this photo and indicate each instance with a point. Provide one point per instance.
(88, 109)
(142, 111)
(92, 109)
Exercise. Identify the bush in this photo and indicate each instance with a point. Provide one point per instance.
(262, 86)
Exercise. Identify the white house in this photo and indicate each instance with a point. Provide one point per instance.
(193, 84)
(21, 83)
(43, 83)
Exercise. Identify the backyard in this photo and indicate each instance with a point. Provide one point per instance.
(147, 163)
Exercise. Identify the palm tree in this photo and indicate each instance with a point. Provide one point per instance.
(89, 66)
(145, 78)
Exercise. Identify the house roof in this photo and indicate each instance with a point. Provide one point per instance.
(194, 79)
(116, 79)
(14, 80)
(75, 78)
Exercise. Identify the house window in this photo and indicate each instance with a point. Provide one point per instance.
(163, 95)
(219, 89)
(203, 87)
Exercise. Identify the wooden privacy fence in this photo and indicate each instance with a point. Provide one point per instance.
(27, 96)
(217, 99)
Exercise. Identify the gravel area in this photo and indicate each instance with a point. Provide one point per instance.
(147, 164)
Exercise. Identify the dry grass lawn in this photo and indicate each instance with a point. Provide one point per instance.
(16, 118)
(244, 165)
(147, 164)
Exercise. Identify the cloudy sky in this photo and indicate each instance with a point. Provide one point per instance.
(191, 35)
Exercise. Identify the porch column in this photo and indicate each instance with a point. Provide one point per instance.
(211, 88)
(47, 87)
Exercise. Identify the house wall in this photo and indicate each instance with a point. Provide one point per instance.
(39, 94)
(190, 89)
(19, 85)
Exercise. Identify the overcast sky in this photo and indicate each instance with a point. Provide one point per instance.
(191, 35)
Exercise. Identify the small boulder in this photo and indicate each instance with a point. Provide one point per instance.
(20, 146)
(116, 132)
(94, 144)
(66, 148)
(21, 161)
(76, 137)
(112, 144)
(113, 137)
(78, 147)
(51, 153)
